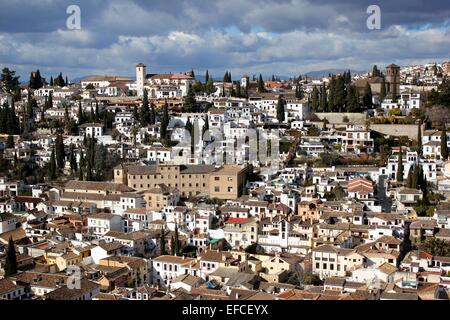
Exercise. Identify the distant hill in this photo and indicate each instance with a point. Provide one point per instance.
(326, 72)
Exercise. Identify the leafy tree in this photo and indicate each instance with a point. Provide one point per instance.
(10, 142)
(311, 279)
(11, 259)
(436, 247)
(36, 81)
(10, 82)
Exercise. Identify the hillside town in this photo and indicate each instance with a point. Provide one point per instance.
(188, 186)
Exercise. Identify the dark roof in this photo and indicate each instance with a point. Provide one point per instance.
(65, 293)
(6, 216)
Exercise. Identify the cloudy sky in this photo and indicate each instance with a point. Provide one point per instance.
(281, 37)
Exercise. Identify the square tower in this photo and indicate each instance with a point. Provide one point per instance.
(141, 73)
(392, 78)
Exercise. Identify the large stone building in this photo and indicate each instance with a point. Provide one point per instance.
(392, 77)
(225, 182)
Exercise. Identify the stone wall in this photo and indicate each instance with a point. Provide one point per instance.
(338, 117)
(397, 130)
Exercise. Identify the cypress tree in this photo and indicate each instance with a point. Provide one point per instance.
(92, 115)
(81, 166)
(80, 114)
(206, 76)
(52, 166)
(164, 122)
(339, 93)
(60, 152)
(162, 244)
(176, 240)
(424, 188)
(383, 90)
(261, 86)
(145, 110)
(409, 180)
(97, 114)
(50, 101)
(152, 114)
(89, 171)
(444, 147)
(315, 99)
(172, 246)
(238, 89)
(352, 99)
(73, 160)
(206, 125)
(416, 179)
(419, 139)
(367, 98)
(323, 99)
(11, 259)
(400, 166)
(300, 94)
(190, 103)
(280, 110)
(332, 95)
